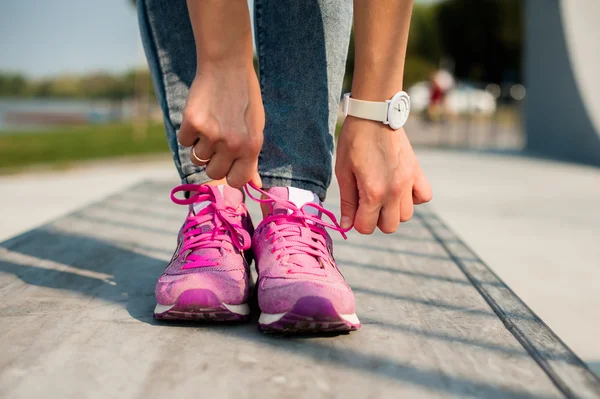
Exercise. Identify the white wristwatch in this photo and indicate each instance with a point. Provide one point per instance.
(392, 112)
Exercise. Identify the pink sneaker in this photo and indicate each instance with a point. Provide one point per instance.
(207, 277)
(300, 288)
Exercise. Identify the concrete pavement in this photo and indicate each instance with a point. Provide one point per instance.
(500, 205)
(30, 199)
(536, 223)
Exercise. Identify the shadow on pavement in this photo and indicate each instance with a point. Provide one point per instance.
(101, 271)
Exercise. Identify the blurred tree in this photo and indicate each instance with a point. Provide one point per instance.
(424, 38)
(103, 85)
(424, 48)
(128, 81)
(65, 86)
(424, 45)
(12, 84)
(417, 69)
(99, 85)
(483, 37)
(42, 88)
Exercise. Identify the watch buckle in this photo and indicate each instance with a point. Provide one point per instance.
(387, 112)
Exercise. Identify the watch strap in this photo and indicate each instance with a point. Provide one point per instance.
(373, 110)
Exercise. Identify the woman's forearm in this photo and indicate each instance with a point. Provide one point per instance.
(222, 31)
(380, 38)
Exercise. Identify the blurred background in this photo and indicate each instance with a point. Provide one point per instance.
(506, 123)
(75, 86)
(77, 71)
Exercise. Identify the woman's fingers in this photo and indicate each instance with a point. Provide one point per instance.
(421, 191)
(406, 207)
(222, 162)
(348, 198)
(257, 180)
(202, 151)
(219, 165)
(395, 211)
(369, 207)
(366, 219)
(187, 134)
(242, 171)
(389, 218)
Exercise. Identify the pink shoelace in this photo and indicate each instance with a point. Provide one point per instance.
(225, 219)
(311, 241)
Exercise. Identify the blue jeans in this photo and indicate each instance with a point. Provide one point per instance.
(301, 46)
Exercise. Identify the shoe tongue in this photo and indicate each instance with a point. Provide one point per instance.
(231, 197)
(297, 196)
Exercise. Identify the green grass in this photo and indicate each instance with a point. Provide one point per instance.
(65, 145)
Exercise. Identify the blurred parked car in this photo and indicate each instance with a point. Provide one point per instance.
(459, 100)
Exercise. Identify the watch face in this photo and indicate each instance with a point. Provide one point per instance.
(398, 110)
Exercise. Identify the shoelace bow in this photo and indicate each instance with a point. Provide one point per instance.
(310, 241)
(224, 218)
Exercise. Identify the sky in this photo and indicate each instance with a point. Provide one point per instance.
(49, 37)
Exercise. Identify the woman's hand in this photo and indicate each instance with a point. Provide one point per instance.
(379, 176)
(224, 117)
(224, 120)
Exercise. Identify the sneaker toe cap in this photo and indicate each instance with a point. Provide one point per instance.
(276, 295)
(230, 287)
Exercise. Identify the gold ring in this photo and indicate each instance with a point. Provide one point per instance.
(197, 157)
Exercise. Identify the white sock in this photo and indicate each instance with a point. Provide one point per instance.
(300, 197)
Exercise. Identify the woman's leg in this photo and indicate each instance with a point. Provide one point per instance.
(169, 45)
(191, 287)
(302, 48)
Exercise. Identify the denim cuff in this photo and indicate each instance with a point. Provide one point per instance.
(269, 181)
(196, 177)
(286, 181)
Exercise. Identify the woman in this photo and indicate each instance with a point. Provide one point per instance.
(227, 129)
